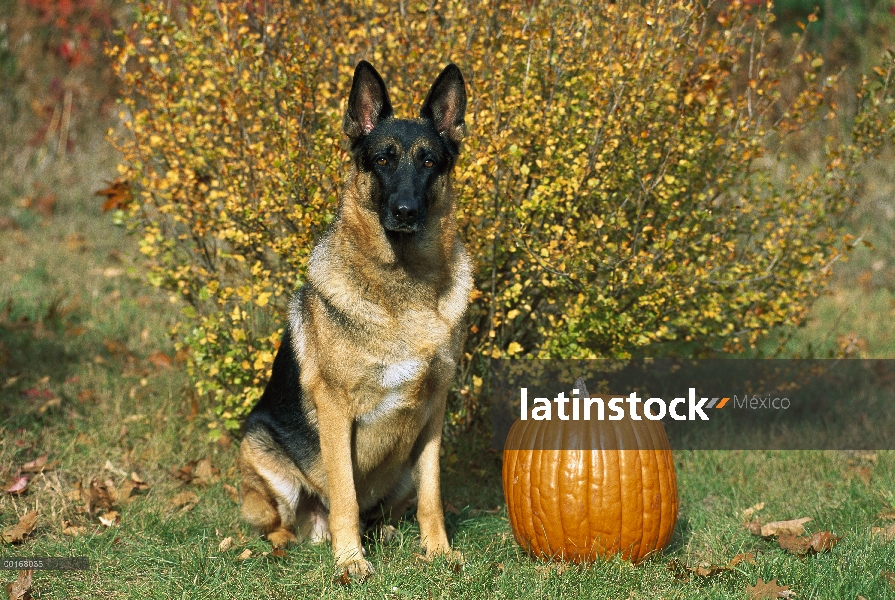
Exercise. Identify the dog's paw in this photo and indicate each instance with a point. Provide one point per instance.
(354, 571)
(281, 538)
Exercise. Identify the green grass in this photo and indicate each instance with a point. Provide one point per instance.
(73, 282)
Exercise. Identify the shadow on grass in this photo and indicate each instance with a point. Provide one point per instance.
(471, 474)
(682, 531)
(29, 351)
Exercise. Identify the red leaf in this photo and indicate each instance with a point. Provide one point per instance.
(18, 487)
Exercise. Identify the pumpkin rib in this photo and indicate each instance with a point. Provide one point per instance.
(538, 489)
(668, 486)
(580, 481)
(641, 431)
(617, 500)
(534, 490)
(511, 486)
(652, 494)
(667, 517)
(591, 493)
(562, 479)
(671, 476)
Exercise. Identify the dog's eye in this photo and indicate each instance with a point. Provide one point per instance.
(428, 163)
(381, 161)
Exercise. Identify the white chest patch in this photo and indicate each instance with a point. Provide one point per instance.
(400, 373)
(393, 380)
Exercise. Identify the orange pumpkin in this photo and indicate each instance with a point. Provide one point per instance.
(570, 502)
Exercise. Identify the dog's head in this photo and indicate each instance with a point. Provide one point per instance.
(406, 157)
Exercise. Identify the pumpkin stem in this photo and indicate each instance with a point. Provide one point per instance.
(582, 389)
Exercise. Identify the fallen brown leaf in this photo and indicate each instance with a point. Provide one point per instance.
(887, 515)
(801, 545)
(747, 557)
(679, 570)
(244, 554)
(748, 512)
(205, 473)
(887, 534)
(450, 508)
(76, 242)
(86, 396)
(112, 490)
(184, 473)
(863, 473)
(793, 526)
(753, 526)
(110, 518)
(342, 578)
(77, 493)
(45, 205)
(72, 530)
(226, 544)
(98, 496)
(35, 466)
(117, 349)
(131, 487)
(22, 529)
(767, 591)
(39, 465)
(824, 541)
(118, 195)
(160, 359)
(794, 544)
(20, 589)
(184, 500)
(683, 572)
(232, 492)
(889, 576)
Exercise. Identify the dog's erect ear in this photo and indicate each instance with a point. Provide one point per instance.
(368, 103)
(445, 104)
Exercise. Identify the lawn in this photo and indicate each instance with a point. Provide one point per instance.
(89, 378)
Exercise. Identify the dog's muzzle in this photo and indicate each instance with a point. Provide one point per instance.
(403, 215)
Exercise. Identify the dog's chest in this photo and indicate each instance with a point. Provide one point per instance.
(393, 387)
(404, 382)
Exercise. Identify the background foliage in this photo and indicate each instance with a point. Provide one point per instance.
(639, 177)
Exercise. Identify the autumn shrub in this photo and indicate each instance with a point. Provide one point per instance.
(625, 186)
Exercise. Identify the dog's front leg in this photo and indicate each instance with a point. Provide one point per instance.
(344, 519)
(430, 513)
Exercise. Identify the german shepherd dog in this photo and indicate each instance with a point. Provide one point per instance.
(349, 426)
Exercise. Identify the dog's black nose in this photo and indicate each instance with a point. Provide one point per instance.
(405, 212)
